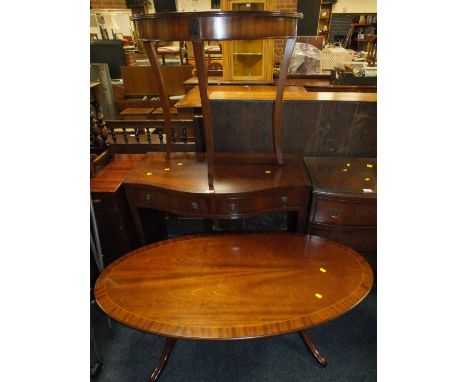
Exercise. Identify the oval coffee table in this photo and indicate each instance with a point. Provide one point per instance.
(233, 286)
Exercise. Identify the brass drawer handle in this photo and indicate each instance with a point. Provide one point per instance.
(147, 198)
(195, 207)
(284, 201)
(335, 213)
(232, 208)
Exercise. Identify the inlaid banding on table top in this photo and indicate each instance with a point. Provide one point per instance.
(233, 286)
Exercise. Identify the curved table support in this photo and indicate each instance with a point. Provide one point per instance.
(278, 108)
(313, 349)
(168, 346)
(199, 53)
(151, 51)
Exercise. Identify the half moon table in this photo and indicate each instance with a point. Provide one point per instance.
(233, 286)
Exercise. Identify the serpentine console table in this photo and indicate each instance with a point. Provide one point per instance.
(247, 185)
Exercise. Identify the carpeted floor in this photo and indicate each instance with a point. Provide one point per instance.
(349, 343)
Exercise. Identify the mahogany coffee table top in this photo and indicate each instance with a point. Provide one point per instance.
(233, 286)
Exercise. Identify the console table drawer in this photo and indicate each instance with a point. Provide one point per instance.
(361, 213)
(177, 203)
(233, 207)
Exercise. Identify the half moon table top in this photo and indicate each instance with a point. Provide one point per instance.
(233, 286)
(215, 25)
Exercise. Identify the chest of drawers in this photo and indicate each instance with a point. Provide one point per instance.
(344, 201)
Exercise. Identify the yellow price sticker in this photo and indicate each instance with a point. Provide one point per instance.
(369, 165)
(345, 169)
(318, 295)
(323, 270)
(167, 169)
(149, 173)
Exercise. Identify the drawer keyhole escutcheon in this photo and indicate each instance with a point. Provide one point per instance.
(284, 201)
(147, 198)
(335, 213)
(195, 207)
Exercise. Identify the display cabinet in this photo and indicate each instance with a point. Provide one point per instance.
(248, 60)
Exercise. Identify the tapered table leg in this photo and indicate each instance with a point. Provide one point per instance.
(168, 346)
(313, 349)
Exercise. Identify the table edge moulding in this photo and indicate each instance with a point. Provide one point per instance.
(199, 27)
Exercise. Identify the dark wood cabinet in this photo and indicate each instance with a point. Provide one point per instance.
(113, 218)
(344, 201)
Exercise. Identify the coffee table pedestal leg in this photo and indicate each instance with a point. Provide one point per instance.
(168, 346)
(313, 349)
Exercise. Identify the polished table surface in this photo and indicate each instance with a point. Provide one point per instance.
(233, 286)
(266, 92)
(110, 177)
(343, 176)
(234, 173)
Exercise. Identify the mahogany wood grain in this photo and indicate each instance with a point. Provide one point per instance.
(116, 230)
(343, 176)
(219, 26)
(236, 286)
(235, 173)
(110, 177)
(245, 185)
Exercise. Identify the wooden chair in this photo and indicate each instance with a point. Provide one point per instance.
(213, 48)
(140, 81)
(172, 50)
